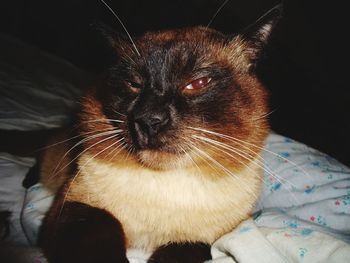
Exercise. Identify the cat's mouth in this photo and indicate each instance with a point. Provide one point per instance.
(163, 160)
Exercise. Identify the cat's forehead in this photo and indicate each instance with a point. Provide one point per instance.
(195, 39)
(190, 34)
(186, 48)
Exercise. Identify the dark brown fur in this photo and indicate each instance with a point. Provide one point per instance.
(82, 233)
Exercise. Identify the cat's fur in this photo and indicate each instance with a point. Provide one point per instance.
(178, 184)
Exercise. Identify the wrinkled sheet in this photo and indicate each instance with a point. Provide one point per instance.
(303, 213)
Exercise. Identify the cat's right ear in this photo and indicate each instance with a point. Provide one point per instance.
(255, 37)
(259, 33)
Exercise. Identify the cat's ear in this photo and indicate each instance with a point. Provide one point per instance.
(111, 40)
(256, 36)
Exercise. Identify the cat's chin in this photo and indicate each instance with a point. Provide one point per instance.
(162, 160)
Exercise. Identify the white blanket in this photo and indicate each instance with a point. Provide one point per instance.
(249, 243)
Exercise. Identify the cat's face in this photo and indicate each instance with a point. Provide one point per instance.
(181, 98)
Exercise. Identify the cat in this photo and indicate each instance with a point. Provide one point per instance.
(164, 160)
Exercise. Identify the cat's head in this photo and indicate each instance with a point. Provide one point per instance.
(181, 97)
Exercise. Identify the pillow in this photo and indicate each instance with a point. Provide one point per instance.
(37, 89)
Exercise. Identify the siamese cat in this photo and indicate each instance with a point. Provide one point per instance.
(167, 157)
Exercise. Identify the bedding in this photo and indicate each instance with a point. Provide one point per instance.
(303, 216)
(303, 213)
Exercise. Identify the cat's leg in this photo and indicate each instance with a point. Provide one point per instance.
(181, 253)
(82, 233)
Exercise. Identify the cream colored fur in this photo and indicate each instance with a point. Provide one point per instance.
(157, 207)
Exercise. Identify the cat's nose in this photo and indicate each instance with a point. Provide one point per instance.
(148, 126)
(152, 123)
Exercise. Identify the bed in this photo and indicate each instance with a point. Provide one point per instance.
(303, 216)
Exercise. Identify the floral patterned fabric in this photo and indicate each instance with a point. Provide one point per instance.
(310, 186)
(303, 214)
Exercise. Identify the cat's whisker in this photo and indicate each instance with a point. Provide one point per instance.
(112, 145)
(103, 120)
(252, 159)
(247, 167)
(190, 158)
(274, 175)
(56, 171)
(259, 161)
(127, 59)
(264, 115)
(81, 168)
(130, 149)
(122, 24)
(121, 114)
(236, 140)
(74, 137)
(116, 150)
(249, 157)
(214, 145)
(122, 147)
(224, 169)
(190, 144)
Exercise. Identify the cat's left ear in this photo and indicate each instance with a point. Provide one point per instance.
(256, 36)
(108, 36)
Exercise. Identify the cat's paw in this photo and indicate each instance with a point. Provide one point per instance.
(82, 233)
(181, 253)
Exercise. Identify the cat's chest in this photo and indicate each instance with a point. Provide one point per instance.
(160, 207)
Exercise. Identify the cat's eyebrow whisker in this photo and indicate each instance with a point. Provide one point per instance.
(126, 58)
(122, 24)
(56, 171)
(217, 12)
(255, 146)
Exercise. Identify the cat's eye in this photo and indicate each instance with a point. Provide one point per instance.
(134, 86)
(196, 85)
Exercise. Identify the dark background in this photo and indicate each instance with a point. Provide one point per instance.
(305, 67)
